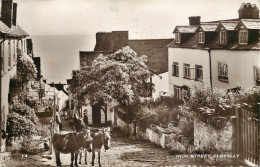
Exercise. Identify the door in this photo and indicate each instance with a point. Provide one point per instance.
(96, 115)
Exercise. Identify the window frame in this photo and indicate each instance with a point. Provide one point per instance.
(178, 37)
(223, 71)
(246, 37)
(221, 42)
(177, 92)
(188, 71)
(257, 75)
(201, 37)
(175, 69)
(198, 73)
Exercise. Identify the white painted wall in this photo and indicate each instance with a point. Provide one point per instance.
(160, 84)
(192, 57)
(240, 67)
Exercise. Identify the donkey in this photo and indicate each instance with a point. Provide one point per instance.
(101, 137)
(71, 143)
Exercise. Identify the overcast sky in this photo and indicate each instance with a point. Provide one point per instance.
(142, 18)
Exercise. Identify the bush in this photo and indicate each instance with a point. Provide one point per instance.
(211, 140)
(30, 146)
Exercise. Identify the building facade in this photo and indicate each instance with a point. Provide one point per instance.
(12, 41)
(221, 54)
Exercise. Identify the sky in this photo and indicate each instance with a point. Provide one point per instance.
(142, 18)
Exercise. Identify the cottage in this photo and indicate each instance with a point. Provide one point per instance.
(12, 39)
(220, 54)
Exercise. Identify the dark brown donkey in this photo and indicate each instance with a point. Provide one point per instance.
(71, 143)
(101, 137)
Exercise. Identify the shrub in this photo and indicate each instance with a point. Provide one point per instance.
(29, 145)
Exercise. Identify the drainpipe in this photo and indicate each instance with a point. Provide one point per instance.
(1, 128)
(210, 69)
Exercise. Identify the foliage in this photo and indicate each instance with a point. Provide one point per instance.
(117, 79)
(27, 98)
(176, 147)
(22, 121)
(217, 103)
(211, 140)
(29, 145)
(26, 69)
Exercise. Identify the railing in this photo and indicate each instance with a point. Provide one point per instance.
(246, 136)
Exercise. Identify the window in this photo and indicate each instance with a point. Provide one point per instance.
(223, 37)
(177, 91)
(201, 37)
(175, 69)
(243, 36)
(2, 58)
(257, 75)
(198, 73)
(178, 37)
(223, 72)
(9, 54)
(14, 53)
(186, 70)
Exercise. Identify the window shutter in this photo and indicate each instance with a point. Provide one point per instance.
(254, 73)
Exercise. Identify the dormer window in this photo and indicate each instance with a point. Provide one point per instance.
(243, 37)
(201, 37)
(178, 37)
(223, 37)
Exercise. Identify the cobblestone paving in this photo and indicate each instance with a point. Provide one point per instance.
(124, 152)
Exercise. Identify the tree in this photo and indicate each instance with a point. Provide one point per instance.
(26, 69)
(119, 79)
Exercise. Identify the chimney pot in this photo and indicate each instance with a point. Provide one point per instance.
(248, 11)
(6, 15)
(194, 20)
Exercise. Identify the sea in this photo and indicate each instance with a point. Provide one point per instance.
(60, 54)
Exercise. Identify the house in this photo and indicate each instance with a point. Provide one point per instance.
(12, 40)
(109, 42)
(221, 54)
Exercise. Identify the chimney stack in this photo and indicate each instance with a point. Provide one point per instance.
(14, 13)
(248, 11)
(194, 20)
(6, 16)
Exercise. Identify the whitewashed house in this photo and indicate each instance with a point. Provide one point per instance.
(220, 54)
(12, 39)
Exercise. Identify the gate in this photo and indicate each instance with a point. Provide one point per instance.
(246, 136)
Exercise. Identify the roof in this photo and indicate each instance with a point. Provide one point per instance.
(156, 51)
(13, 31)
(209, 27)
(185, 29)
(251, 23)
(87, 57)
(229, 25)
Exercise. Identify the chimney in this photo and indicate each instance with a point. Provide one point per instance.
(6, 16)
(194, 20)
(248, 11)
(14, 13)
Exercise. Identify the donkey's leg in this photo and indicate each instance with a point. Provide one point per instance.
(86, 156)
(72, 159)
(93, 158)
(99, 159)
(57, 154)
(80, 155)
(76, 158)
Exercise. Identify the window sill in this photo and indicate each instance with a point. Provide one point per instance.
(187, 78)
(175, 75)
(199, 80)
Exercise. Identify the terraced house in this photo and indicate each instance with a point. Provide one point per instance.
(220, 54)
(12, 39)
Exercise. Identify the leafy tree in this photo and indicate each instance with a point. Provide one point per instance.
(119, 79)
(26, 69)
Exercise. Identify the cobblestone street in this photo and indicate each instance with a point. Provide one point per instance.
(124, 152)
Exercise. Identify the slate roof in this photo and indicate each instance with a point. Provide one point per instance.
(229, 25)
(156, 51)
(251, 23)
(13, 31)
(185, 29)
(209, 27)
